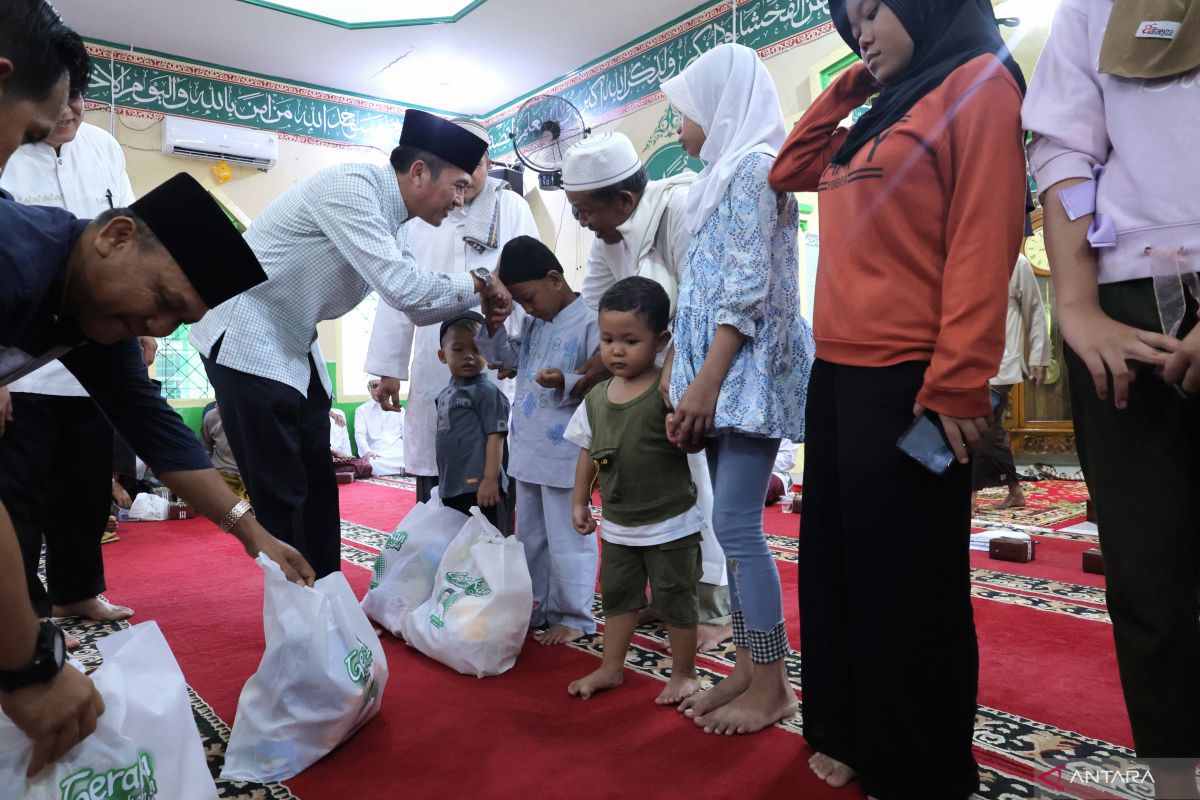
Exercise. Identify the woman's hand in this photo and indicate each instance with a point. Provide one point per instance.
(1183, 367)
(1106, 346)
(965, 434)
(693, 418)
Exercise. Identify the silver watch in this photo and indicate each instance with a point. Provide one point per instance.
(484, 275)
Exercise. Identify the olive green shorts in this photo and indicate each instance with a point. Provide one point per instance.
(673, 570)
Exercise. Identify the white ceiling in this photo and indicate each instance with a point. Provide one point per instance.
(496, 53)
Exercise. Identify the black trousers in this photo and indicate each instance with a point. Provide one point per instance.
(889, 657)
(280, 440)
(1142, 467)
(56, 482)
(505, 511)
(992, 464)
(497, 514)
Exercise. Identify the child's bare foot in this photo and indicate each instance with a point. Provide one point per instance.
(678, 689)
(767, 700)
(830, 770)
(705, 702)
(558, 634)
(70, 642)
(96, 608)
(709, 637)
(597, 681)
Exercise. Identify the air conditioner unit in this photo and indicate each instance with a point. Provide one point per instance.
(189, 138)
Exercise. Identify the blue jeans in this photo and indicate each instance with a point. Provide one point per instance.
(741, 469)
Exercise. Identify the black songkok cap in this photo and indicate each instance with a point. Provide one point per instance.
(526, 259)
(474, 316)
(201, 238)
(442, 138)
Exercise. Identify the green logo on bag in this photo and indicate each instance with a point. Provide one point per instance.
(358, 663)
(474, 587)
(135, 782)
(377, 571)
(396, 541)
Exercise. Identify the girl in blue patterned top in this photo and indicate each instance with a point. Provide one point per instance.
(741, 360)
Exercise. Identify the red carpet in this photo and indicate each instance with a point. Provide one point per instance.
(1048, 679)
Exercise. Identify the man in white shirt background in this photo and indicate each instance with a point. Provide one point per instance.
(470, 238)
(992, 464)
(55, 445)
(379, 434)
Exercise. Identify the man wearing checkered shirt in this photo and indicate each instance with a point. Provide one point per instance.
(325, 245)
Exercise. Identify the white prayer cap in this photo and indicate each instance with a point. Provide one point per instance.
(471, 126)
(599, 160)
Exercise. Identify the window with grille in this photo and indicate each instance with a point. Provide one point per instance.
(179, 368)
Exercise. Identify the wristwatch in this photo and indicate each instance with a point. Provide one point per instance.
(485, 276)
(49, 655)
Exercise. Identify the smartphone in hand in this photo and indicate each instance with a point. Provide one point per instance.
(925, 441)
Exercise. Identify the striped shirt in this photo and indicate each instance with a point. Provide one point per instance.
(325, 245)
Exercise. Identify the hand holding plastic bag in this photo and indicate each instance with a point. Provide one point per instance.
(145, 744)
(321, 679)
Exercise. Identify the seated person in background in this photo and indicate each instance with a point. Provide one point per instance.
(781, 473)
(340, 449)
(472, 424)
(652, 522)
(212, 436)
(379, 434)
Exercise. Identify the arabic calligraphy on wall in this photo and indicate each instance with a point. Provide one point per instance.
(629, 80)
(151, 85)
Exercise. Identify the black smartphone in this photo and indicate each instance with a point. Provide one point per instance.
(925, 441)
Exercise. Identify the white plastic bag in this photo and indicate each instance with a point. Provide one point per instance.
(145, 744)
(321, 679)
(408, 563)
(477, 617)
(149, 507)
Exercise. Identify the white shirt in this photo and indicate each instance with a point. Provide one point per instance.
(325, 244)
(339, 435)
(785, 462)
(380, 433)
(694, 520)
(1026, 312)
(78, 178)
(396, 340)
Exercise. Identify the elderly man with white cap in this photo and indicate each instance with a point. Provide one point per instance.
(640, 230)
(326, 244)
(470, 238)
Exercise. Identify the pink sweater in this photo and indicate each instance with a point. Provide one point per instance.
(1144, 133)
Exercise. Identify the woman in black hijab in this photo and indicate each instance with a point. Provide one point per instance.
(921, 218)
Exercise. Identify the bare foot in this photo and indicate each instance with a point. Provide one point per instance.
(709, 637)
(1015, 499)
(705, 702)
(558, 634)
(830, 770)
(762, 705)
(96, 608)
(678, 688)
(71, 642)
(597, 681)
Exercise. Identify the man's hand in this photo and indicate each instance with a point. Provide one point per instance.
(1038, 374)
(496, 302)
(256, 540)
(6, 414)
(965, 434)
(489, 492)
(149, 349)
(120, 496)
(1107, 346)
(56, 715)
(581, 516)
(551, 378)
(693, 419)
(389, 394)
(593, 372)
(1183, 367)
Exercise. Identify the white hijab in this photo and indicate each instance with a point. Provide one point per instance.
(730, 95)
